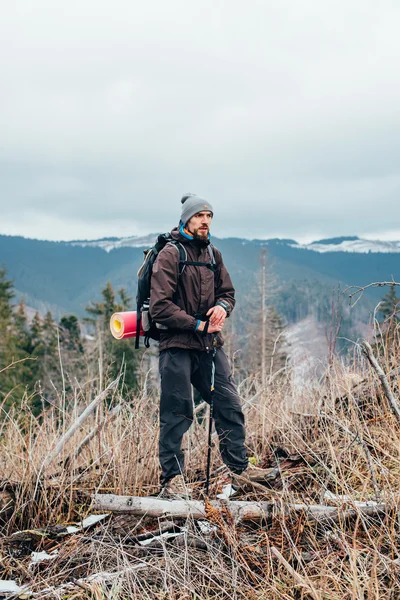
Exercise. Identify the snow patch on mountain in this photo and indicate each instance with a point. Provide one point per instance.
(134, 241)
(351, 245)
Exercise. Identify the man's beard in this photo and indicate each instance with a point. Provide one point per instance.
(201, 235)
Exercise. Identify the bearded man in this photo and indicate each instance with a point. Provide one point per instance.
(191, 307)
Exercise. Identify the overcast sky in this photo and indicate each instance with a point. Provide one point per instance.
(284, 114)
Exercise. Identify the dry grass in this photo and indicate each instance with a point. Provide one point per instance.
(337, 437)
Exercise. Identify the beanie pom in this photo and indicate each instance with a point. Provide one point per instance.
(185, 197)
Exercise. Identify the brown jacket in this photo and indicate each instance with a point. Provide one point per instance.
(175, 300)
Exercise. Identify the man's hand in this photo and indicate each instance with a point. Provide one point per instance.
(217, 315)
(211, 328)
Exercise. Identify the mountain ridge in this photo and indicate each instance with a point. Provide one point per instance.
(352, 243)
(67, 276)
(336, 244)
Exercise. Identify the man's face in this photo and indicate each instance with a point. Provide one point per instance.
(199, 224)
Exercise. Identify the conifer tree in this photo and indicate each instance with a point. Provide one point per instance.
(390, 305)
(6, 338)
(24, 339)
(36, 330)
(26, 371)
(6, 296)
(70, 334)
(113, 354)
(49, 335)
(16, 372)
(47, 351)
(389, 326)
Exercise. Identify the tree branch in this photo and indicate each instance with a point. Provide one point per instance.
(79, 422)
(361, 289)
(367, 351)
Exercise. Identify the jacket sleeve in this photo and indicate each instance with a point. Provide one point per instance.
(224, 290)
(164, 281)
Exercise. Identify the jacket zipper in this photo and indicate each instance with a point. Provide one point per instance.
(199, 305)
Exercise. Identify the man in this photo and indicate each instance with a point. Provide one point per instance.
(192, 306)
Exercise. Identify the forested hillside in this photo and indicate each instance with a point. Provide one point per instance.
(64, 277)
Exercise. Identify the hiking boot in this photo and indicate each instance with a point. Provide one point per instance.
(176, 489)
(254, 474)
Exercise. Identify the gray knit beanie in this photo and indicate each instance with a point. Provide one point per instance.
(191, 205)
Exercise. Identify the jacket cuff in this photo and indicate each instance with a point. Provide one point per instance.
(224, 305)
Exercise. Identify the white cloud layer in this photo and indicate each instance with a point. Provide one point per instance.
(284, 114)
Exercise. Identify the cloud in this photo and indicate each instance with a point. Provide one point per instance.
(284, 114)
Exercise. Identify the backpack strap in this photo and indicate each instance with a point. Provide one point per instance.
(195, 263)
(211, 253)
(183, 261)
(183, 258)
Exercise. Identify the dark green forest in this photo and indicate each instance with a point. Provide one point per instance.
(43, 360)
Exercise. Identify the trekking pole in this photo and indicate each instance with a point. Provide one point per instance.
(210, 422)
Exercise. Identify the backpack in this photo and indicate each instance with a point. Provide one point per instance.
(151, 328)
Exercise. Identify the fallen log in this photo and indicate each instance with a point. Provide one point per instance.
(157, 507)
(239, 509)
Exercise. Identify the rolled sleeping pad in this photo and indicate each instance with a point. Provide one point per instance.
(123, 325)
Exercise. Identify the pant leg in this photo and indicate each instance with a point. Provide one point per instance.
(228, 414)
(176, 409)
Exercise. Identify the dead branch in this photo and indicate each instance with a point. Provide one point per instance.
(359, 290)
(88, 411)
(367, 351)
(16, 362)
(296, 576)
(109, 417)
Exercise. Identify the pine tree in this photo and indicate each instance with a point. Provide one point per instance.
(389, 325)
(70, 334)
(25, 372)
(36, 330)
(47, 350)
(390, 305)
(24, 339)
(113, 354)
(16, 368)
(6, 295)
(7, 342)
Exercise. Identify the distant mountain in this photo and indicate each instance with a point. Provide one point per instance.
(337, 240)
(338, 244)
(66, 276)
(109, 244)
(352, 244)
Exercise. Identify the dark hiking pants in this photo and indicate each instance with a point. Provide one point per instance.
(179, 369)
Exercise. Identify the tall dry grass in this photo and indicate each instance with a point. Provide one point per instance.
(339, 433)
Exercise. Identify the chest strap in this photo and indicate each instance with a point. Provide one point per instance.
(195, 263)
